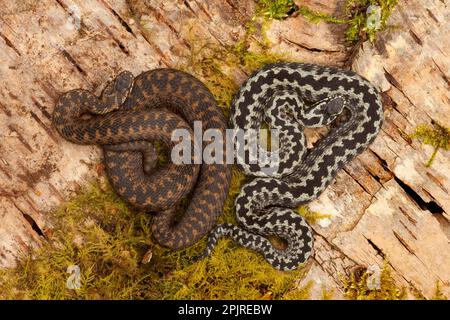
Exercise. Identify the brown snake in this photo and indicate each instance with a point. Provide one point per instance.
(129, 115)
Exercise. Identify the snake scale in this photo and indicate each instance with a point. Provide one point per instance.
(128, 116)
(292, 96)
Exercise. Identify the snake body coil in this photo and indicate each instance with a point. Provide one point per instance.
(129, 115)
(291, 96)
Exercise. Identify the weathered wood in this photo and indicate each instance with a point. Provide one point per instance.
(385, 204)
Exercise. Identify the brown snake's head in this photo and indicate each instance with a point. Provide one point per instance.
(118, 89)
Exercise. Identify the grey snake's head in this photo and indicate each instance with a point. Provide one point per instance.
(335, 106)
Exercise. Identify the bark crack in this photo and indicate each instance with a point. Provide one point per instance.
(72, 61)
(377, 249)
(29, 219)
(442, 73)
(10, 44)
(309, 48)
(430, 206)
(120, 19)
(416, 38)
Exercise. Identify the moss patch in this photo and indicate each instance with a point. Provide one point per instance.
(317, 16)
(276, 9)
(437, 136)
(327, 294)
(108, 241)
(438, 294)
(217, 65)
(358, 26)
(300, 293)
(357, 18)
(356, 287)
(311, 216)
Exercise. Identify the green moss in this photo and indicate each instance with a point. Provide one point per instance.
(203, 61)
(238, 179)
(327, 294)
(416, 293)
(216, 65)
(357, 17)
(317, 17)
(438, 294)
(108, 241)
(276, 9)
(302, 293)
(437, 136)
(97, 232)
(356, 287)
(357, 9)
(311, 216)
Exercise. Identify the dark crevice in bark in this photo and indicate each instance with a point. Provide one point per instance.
(50, 90)
(42, 108)
(10, 44)
(443, 75)
(61, 4)
(383, 162)
(408, 216)
(122, 22)
(415, 37)
(309, 48)
(432, 16)
(408, 230)
(376, 248)
(391, 79)
(5, 110)
(187, 5)
(31, 221)
(354, 176)
(119, 43)
(72, 61)
(33, 224)
(47, 129)
(20, 137)
(431, 206)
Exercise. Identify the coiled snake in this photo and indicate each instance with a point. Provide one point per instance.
(291, 96)
(131, 113)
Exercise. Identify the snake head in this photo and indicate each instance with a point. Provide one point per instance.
(124, 82)
(331, 109)
(118, 89)
(335, 105)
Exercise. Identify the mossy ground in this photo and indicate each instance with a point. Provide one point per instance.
(276, 9)
(98, 232)
(356, 18)
(436, 135)
(358, 28)
(356, 288)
